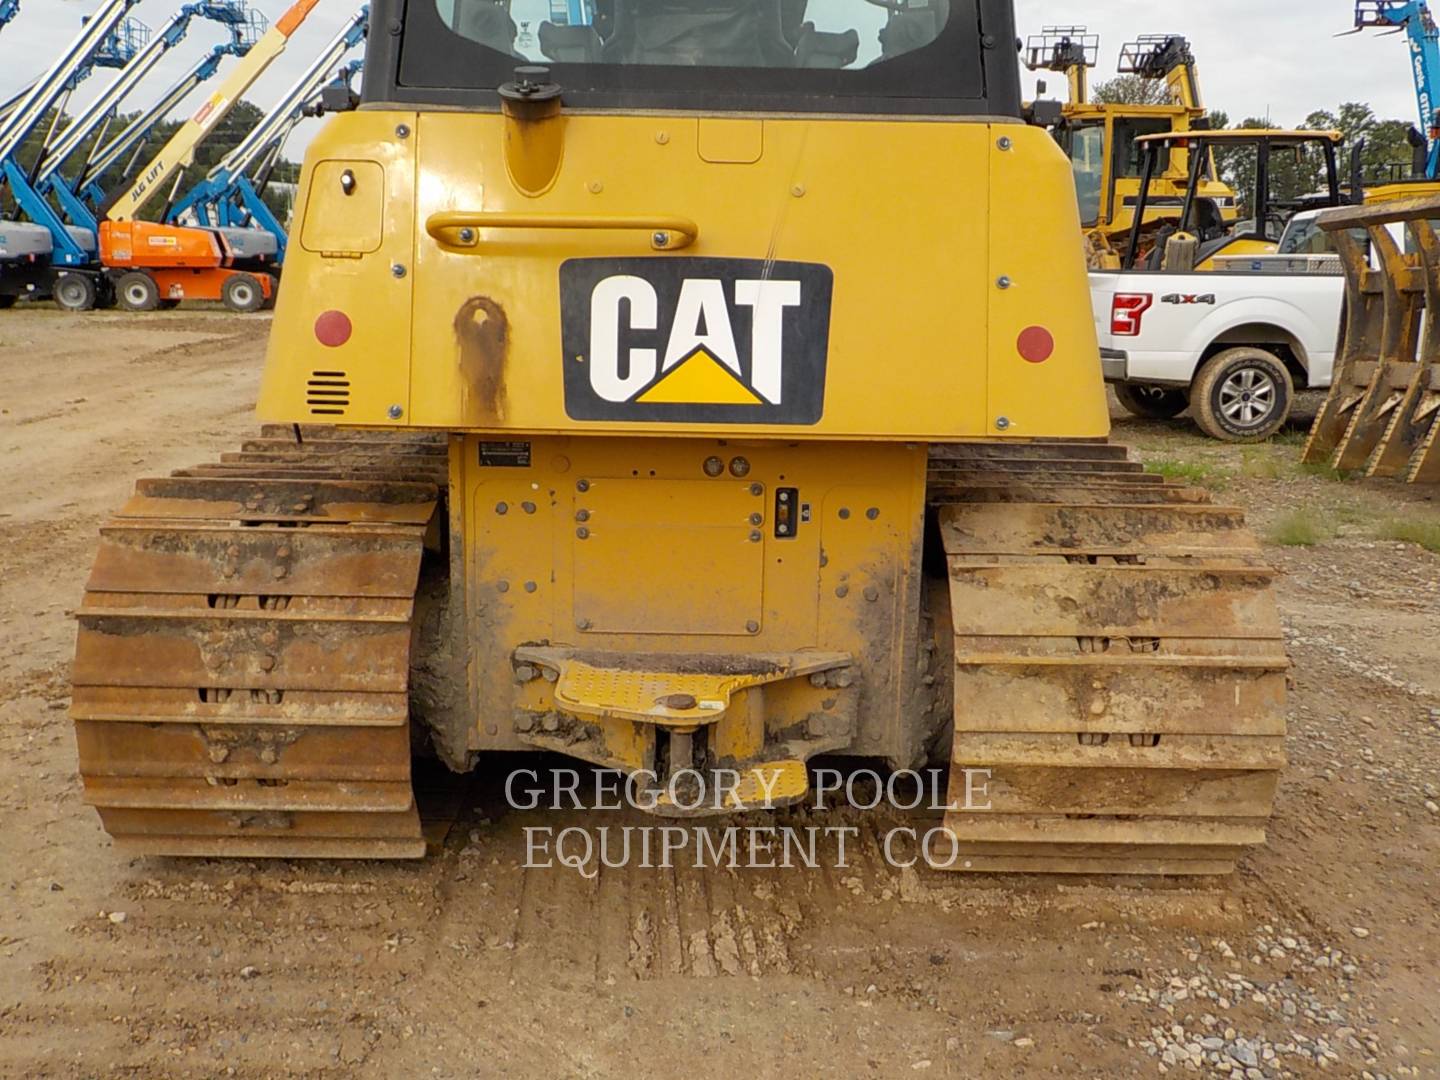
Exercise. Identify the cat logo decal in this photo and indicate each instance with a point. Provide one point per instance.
(732, 341)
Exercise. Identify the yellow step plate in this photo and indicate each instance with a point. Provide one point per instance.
(673, 692)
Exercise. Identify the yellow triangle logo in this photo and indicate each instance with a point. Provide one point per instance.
(699, 379)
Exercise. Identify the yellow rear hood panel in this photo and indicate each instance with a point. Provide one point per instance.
(909, 225)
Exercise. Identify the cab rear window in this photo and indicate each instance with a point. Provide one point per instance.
(819, 35)
(818, 55)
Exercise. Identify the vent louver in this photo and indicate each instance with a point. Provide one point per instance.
(328, 393)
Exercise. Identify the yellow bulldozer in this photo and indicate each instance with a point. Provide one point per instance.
(690, 385)
(1100, 138)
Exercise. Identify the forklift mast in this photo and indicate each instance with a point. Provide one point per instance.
(1168, 57)
(1069, 50)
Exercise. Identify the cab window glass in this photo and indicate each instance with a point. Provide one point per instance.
(825, 34)
(1086, 147)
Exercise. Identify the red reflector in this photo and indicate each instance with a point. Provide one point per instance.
(333, 329)
(1036, 344)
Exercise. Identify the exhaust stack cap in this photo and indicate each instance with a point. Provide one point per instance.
(532, 84)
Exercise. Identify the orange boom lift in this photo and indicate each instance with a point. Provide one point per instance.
(183, 261)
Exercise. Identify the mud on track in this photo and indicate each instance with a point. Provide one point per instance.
(468, 965)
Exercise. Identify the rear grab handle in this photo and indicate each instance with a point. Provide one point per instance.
(458, 230)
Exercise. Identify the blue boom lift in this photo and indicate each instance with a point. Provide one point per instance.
(1413, 18)
(27, 255)
(72, 252)
(245, 26)
(130, 143)
(117, 48)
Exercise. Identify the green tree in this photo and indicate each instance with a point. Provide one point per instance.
(1386, 153)
(1388, 150)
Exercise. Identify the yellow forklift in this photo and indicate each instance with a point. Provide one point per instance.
(1199, 237)
(1100, 138)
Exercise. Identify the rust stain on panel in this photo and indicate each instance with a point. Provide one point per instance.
(482, 330)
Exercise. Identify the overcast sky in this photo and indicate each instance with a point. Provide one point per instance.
(1257, 57)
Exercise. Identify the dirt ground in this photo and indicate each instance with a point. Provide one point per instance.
(1320, 955)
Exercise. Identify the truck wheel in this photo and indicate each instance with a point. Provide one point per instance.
(242, 293)
(1242, 395)
(1152, 402)
(75, 292)
(137, 291)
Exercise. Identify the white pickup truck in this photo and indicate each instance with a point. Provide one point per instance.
(1233, 345)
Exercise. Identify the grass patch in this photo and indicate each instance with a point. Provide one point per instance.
(1291, 437)
(1190, 472)
(1258, 463)
(1354, 515)
(1300, 528)
(1411, 531)
(1325, 471)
